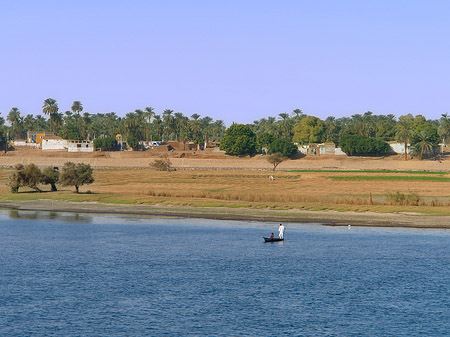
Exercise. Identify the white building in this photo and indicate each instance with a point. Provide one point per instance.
(80, 146)
(54, 144)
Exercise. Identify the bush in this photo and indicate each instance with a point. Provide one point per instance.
(284, 147)
(163, 164)
(132, 142)
(106, 144)
(239, 140)
(355, 145)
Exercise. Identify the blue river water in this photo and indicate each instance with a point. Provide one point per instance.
(93, 275)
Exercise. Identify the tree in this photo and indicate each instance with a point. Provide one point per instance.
(404, 131)
(423, 146)
(239, 140)
(50, 108)
(76, 175)
(132, 142)
(309, 130)
(29, 175)
(275, 159)
(283, 147)
(360, 145)
(50, 176)
(77, 107)
(17, 179)
(444, 130)
(16, 122)
(265, 140)
(105, 144)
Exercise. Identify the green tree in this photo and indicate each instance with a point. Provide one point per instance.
(283, 147)
(105, 144)
(360, 145)
(404, 131)
(132, 142)
(16, 123)
(76, 175)
(423, 146)
(50, 176)
(309, 130)
(50, 108)
(239, 140)
(444, 130)
(276, 159)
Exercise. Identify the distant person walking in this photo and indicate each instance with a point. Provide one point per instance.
(281, 231)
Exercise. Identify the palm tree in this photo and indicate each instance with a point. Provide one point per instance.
(444, 130)
(423, 146)
(77, 107)
(168, 123)
(404, 131)
(50, 108)
(149, 115)
(16, 120)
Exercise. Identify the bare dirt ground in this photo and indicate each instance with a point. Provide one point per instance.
(215, 160)
(214, 185)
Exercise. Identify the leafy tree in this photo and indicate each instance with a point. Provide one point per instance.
(360, 145)
(265, 140)
(76, 175)
(29, 175)
(239, 139)
(132, 142)
(422, 127)
(50, 176)
(16, 123)
(309, 130)
(284, 147)
(275, 159)
(106, 144)
(17, 179)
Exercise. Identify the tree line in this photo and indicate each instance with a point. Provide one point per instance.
(296, 127)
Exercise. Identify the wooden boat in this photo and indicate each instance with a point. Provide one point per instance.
(272, 239)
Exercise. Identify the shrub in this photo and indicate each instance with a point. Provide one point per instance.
(355, 145)
(163, 164)
(106, 144)
(132, 142)
(284, 147)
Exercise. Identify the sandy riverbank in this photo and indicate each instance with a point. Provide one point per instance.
(332, 218)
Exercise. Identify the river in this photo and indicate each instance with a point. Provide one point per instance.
(65, 274)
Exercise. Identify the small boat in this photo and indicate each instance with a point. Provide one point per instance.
(272, 239)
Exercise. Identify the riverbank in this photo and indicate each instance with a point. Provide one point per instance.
(330, 218)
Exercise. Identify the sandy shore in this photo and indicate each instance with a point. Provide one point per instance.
(331, 218)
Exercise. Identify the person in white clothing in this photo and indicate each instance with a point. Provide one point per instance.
(281, 231)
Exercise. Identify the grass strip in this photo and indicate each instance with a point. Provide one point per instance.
(441, 179)
(371, 171)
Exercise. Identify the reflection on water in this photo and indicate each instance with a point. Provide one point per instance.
(50, 215)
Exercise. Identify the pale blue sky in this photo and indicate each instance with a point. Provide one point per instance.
(232, 60)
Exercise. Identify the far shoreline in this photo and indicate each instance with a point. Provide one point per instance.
(325, 218)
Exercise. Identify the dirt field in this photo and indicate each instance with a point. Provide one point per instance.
(215, 185)
(215, 160)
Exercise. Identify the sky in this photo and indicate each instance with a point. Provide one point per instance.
(234, 60)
